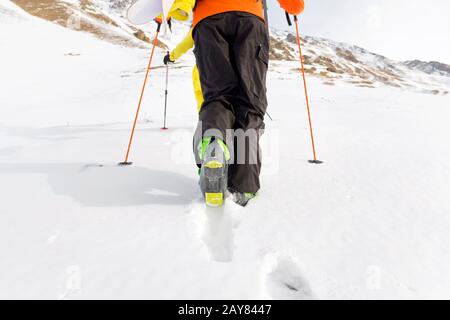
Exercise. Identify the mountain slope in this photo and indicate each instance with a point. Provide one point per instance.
(339, 61)
(331, 61)
(431, 67)
(93, 16)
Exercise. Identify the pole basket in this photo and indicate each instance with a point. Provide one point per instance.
(124, 164)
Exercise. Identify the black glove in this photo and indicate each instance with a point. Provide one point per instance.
(167, 59)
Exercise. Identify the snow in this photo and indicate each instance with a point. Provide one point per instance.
(371, 222)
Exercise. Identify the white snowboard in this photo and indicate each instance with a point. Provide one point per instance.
(144, 11)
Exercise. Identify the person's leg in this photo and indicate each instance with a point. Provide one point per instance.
(251, 57)
(219, 84)
(218, 79)
(243, 173)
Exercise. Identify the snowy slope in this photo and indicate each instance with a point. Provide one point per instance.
(371, 222)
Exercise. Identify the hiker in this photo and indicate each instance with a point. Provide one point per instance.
(232, 55)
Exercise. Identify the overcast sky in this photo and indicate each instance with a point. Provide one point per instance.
(398, 29)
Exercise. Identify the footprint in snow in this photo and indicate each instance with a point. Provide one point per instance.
(216, 227)
(218, 234)
(284, 281)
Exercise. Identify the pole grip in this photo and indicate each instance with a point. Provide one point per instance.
(288, 18)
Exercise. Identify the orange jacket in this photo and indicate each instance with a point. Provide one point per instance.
(207, 8)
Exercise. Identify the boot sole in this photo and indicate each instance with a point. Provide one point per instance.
(214, 175)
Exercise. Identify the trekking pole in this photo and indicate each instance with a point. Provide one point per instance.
(126, 162)
(315, 161)
(165, 102)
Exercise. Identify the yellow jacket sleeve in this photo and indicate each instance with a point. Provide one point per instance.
(181, 9)
(182, 47)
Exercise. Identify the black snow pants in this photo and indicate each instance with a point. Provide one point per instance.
(232, 54)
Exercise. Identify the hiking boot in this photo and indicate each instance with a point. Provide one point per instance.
(214, 171)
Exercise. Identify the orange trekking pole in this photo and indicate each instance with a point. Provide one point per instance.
(315, 161)
(126, 162)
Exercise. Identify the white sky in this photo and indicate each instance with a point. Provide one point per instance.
(398, 29)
